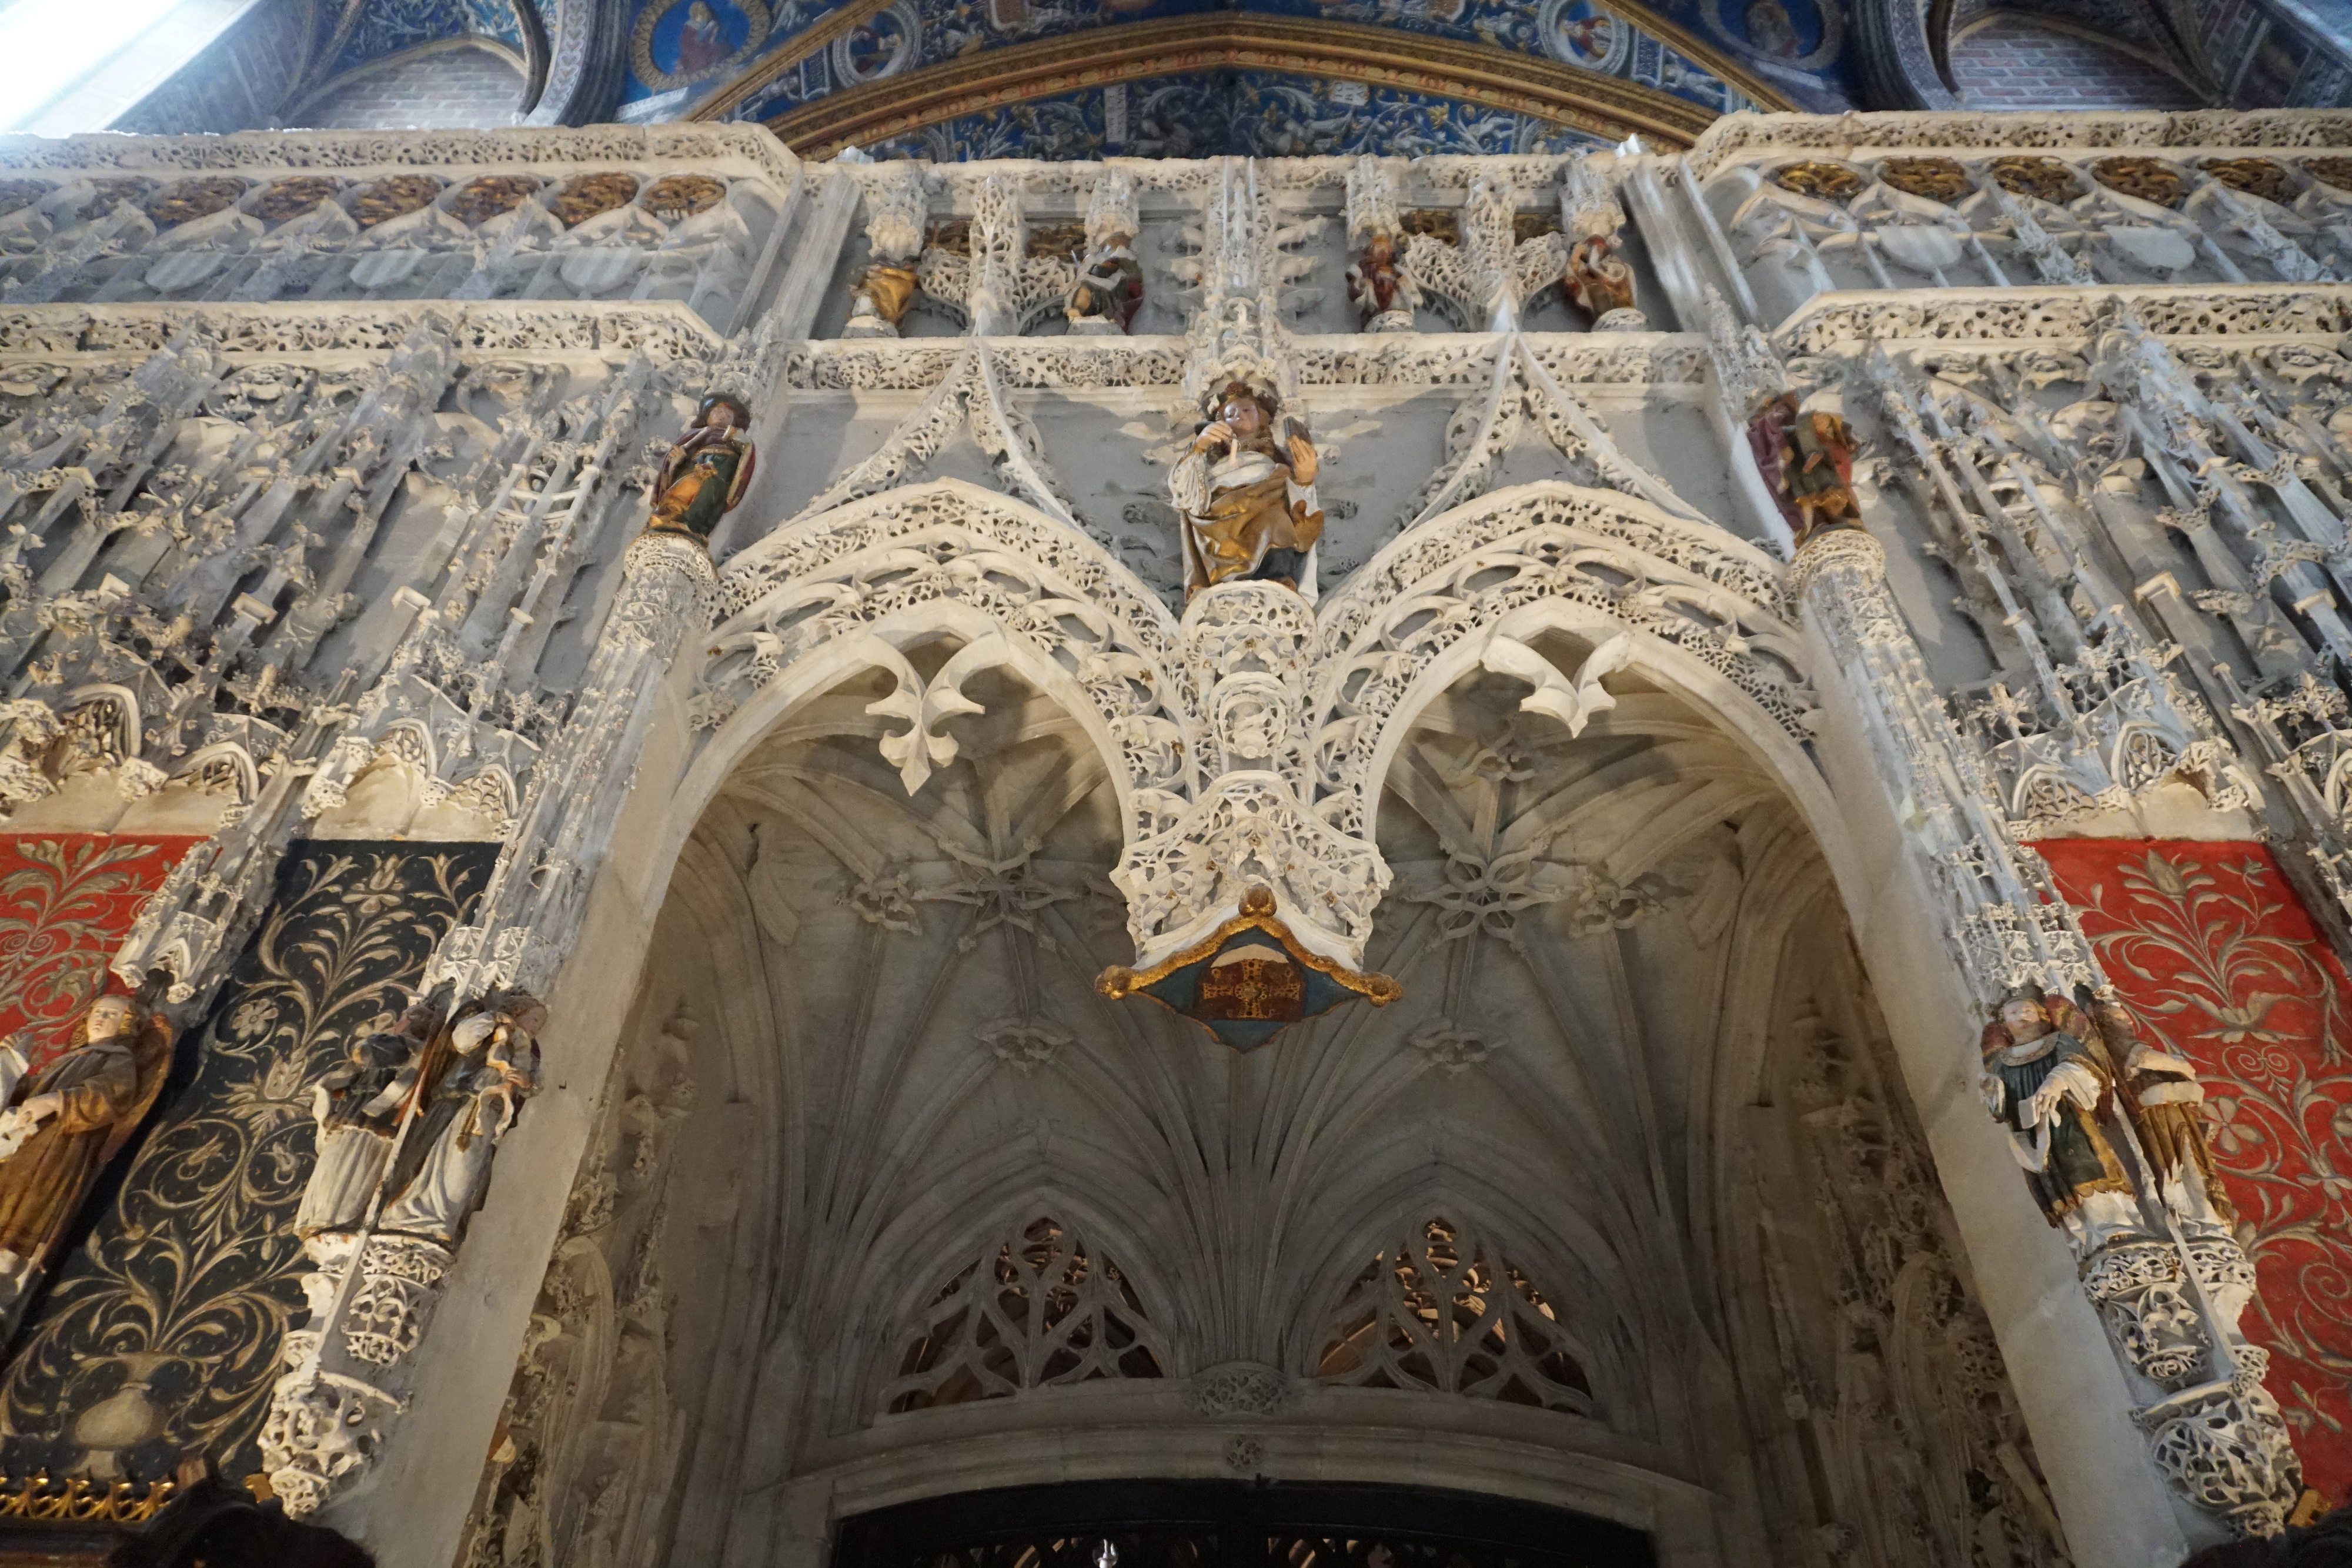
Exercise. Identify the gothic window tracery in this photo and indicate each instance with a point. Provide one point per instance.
(1446, 1310)
(1038, 1307)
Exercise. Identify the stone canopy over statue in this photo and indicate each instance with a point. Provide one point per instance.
(704, 476)
(1247, 500)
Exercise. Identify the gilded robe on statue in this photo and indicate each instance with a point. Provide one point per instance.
(1248, 504)
(66, 1121)
(2045, 1078)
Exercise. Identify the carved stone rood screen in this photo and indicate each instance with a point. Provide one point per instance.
(1880, 502)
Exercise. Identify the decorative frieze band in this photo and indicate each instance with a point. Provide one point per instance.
(685, 147)
(1418, 358)
(661, 330)
(1830, 321)
(1736, 136)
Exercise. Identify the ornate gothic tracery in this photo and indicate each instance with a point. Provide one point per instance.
(1599, 785)
(1448, 1313)
(1034, 1311)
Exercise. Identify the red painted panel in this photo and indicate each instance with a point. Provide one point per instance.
(2218, 958)
(65, 900)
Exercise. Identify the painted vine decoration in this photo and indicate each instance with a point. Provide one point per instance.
(163, 1330)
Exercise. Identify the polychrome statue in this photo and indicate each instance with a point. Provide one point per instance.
(64, 1122)
(706, 474)
(1248, 502)
(2046, 1078)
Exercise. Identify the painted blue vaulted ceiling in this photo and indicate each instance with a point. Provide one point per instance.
(653, 60)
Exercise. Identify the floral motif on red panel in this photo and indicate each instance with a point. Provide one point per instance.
(65, 899)
(2216, 955)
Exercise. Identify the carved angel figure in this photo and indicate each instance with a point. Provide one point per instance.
(487, 1065)
(1383, 294)
(1248, 504)
(64, 1122)
(1806, 456)
(705, 473)
(1110, 289)
(1601, 284)
(2046, 1078)
(357, 1107)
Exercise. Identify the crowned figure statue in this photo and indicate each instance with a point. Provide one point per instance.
(704, 476)
(1247, 500)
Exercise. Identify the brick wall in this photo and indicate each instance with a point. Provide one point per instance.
(236, 84)
(457, 89)
(2012, 62)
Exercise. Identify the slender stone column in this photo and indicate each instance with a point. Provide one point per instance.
(377, 1283)
(2168, 1286)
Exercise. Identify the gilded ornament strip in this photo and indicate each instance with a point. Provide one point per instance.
(723, 104)
(1501, 79)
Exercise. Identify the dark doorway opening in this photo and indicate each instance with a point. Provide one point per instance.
(1233, 1524)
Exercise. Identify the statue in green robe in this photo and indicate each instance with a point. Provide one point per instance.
(2046, 1078)
(705, 473)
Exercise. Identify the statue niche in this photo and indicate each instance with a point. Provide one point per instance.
(1247, 501)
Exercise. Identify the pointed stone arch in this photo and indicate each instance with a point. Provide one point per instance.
(852, 587)
(1706, 613)
(1041, 1303)
(1444, 1308)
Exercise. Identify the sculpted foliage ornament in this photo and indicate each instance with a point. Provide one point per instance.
(296, 555)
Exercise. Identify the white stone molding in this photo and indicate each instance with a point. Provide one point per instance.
(1829, 322)
(538, 892)
(690, 218)
(1858, 136)
(1520, 394)
(968, 399)
(1397, 359)
(1536, 553)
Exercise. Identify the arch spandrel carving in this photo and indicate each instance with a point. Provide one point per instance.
(1552, 767)
(1234, 721)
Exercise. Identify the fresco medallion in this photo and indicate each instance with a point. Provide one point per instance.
(1583, 33)
(687, 41)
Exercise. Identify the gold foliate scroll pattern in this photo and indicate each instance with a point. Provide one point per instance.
(160, 1338)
